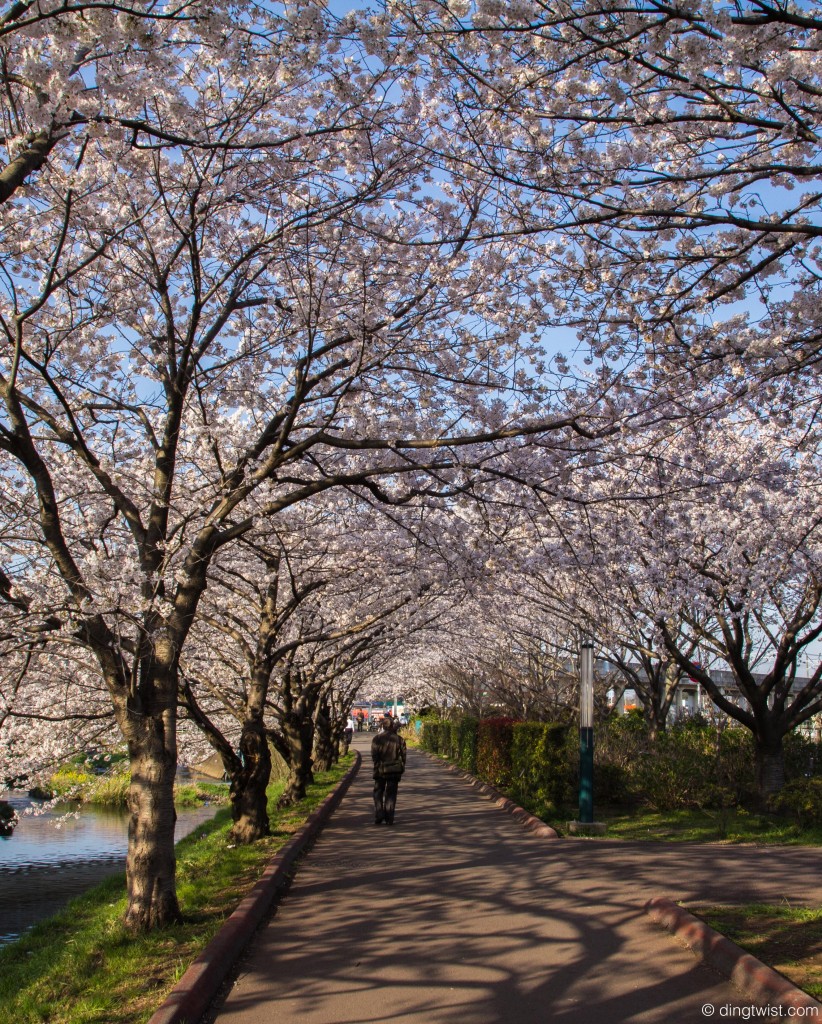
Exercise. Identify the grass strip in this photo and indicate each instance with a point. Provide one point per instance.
(83, 967)
(784, 937)
(727, 825)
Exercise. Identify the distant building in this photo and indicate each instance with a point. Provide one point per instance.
(692, 699)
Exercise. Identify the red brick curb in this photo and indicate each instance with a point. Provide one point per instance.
(753, 978)
(193, 993)
(525, 818)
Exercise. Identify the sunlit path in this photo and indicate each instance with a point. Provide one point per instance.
(459, 915)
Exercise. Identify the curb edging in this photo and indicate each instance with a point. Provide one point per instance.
(528, 821)
(194, 992)
(753, 978)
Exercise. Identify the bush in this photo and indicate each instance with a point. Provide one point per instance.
(802, 756)
(432, 737)
(691, 765)
(736, 767)
(494, 740)
(540, 777)
(802, 799)
(70, 782)
(466, 744)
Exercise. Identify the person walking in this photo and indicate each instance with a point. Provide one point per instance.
(388, 752)
(348, 734)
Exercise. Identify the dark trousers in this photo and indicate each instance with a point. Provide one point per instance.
(385, 797)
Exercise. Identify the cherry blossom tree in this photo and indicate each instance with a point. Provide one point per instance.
(82, 80)
(604, 599)
(721, 543)
(53, 707)
(666, 157)
(196, 338)
(311, 599)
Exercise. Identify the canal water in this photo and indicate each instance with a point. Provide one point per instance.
(47, 861)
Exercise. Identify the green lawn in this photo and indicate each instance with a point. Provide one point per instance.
(786, 938)
(703, 826)
(83, 967)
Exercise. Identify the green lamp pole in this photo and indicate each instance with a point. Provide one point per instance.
(586, 732)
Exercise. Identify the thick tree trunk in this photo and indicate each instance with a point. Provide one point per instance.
(298, 734)
(151, 861)
(770, 768)
(249, 803)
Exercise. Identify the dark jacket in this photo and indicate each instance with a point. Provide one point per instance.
(388, 753)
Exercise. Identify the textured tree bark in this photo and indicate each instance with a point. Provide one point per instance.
(298, 734)
(151, 861)
(325, 750)
(30, 159)
(770, 768)
(249, 803)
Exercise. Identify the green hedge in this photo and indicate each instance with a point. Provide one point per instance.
(527, 759)
(540, 778)
(467, 730)
(495, 737)
(691, 765)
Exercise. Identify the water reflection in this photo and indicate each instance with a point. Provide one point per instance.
(45, 862)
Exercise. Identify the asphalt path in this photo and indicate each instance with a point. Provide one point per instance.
(458, 915)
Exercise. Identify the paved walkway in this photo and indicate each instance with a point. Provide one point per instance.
(458, 915)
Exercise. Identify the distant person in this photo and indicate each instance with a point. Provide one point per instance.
(360, 720)
(388, 753)
(348, 734)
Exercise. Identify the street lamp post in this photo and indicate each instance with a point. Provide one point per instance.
(586, 733)
(586, 824)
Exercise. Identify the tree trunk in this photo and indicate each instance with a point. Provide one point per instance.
(770, 768)
(249, 803)
(655, 722)
(324, 749)
(298, 734)
(151, 861)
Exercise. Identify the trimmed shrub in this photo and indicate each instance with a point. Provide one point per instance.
(691, 765)
(494, 740)
(450, 739)
(540, 776)
(431, 735)
(466, 744)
